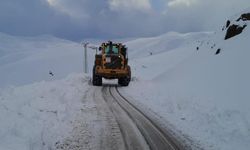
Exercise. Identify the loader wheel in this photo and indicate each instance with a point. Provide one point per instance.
(96, 79)
(124, 81)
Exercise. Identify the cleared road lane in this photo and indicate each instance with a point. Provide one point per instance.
(139, 131)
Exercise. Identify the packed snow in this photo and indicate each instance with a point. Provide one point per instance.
(198, 83)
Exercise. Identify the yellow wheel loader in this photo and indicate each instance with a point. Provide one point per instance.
(111, 63)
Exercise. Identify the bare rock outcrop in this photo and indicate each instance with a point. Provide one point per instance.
(236, 28)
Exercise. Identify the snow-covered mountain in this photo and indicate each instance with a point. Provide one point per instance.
(26, 60)
(143, 47)
(198, 83)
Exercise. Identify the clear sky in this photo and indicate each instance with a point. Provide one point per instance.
(79, 19)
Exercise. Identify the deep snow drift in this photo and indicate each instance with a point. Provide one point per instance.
(38, 115)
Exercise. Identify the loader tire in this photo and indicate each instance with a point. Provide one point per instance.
(124, 81)
(96, 79)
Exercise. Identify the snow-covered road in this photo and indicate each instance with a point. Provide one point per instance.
(146, 132)
(98, 130)
(116, 124)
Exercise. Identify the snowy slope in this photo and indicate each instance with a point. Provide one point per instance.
(205, 96)
(26, 60)
(144, 47)
(36, 109)
(164, 52)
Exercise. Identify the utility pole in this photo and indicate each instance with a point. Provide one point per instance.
(94, 48)
(85, 62)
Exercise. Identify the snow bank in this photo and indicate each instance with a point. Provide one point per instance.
(38, 115)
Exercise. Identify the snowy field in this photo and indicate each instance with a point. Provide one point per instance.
(198, 83)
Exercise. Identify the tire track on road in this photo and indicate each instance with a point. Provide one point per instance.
(151, 133)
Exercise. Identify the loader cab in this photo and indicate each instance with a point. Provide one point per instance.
(111, 49)
(124, 52)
